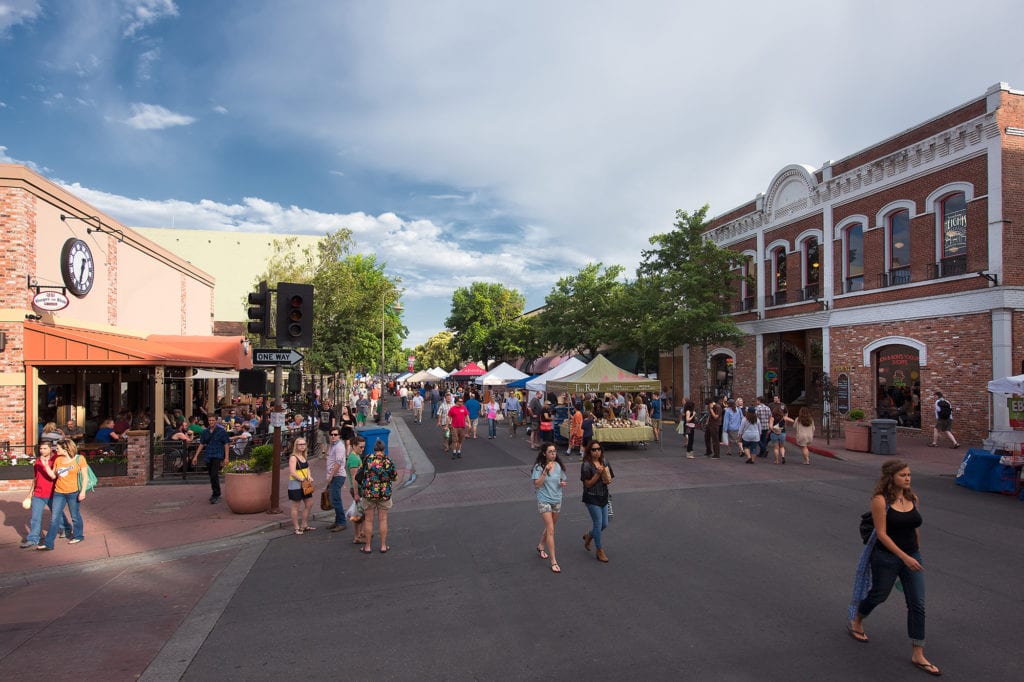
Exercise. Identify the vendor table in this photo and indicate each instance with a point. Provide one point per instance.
(635, 434)
(986, 471)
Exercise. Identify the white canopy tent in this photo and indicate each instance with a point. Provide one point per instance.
(1003, 434)
(401, 378)
(500, 375)
(438, 373)
(570, 366)
(1007, 385)
(421, 376)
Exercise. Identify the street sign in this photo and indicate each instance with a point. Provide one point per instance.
(276, 356)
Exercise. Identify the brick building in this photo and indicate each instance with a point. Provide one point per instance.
(94, 318)
(896, 271)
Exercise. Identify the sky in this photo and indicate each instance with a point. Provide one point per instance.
(466, 141)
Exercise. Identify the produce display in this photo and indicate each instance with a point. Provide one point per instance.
(618, 423)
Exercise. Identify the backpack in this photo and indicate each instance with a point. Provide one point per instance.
(945, 409)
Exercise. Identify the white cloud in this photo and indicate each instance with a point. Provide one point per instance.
(220, 109)
(138, 14)
(156, 117)
(4, 158)
(144, 67)
(14, 12)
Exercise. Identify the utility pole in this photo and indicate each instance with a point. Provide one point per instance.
(277, 423)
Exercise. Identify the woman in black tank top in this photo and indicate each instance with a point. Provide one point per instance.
(896, 554)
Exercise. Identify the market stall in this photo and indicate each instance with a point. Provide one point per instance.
(609, 433)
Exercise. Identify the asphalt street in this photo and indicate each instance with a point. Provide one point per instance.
(718, 571)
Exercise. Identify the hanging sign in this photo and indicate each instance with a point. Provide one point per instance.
(1015, 405)
(50, 300)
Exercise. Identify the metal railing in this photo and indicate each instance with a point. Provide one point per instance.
(894, 277)
(948, 267)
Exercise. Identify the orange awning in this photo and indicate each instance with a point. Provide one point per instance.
(55, 345)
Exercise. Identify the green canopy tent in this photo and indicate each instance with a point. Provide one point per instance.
(602, 376)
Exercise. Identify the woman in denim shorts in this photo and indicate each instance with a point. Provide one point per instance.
(549, 478)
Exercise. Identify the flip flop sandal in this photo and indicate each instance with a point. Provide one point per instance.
(555, 568)
(384, 550)
(859, 636)
(365, 551)
(929, 668)
(541, 553)
(298, 531)
(309, 528)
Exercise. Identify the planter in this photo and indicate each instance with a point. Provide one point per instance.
(247, 493)
(18, 472)
(858, 436)
(106, 469)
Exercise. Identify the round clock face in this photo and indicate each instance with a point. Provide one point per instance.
(77, 267)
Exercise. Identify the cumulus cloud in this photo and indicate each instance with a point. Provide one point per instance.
(5, 158)
(14, 12)
(220, 109)
(138, 14)
(144, 67)
(156, 117)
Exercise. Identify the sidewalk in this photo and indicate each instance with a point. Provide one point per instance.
(910, 448)
(120, 522)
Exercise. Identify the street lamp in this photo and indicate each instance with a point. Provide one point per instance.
(397, 307)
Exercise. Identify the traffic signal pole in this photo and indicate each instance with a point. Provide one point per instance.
(275, 481)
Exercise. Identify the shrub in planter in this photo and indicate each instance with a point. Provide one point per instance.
(855, 415)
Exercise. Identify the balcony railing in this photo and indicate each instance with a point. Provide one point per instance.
(744, 305)
(854, 284)
(948, 267)
(778, 298)
(810, 292)
(894, 277)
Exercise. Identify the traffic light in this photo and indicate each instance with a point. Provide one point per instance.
(259, 312)
(294, 315)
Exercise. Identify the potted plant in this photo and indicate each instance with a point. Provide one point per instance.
(857, 433)
(14, 468)
(247, 481)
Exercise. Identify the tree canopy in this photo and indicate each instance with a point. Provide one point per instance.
(482, 319)
(580, 312)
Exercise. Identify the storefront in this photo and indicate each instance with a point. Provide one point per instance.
(95, 319)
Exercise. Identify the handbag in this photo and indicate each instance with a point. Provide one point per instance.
(307, 487)
(681, 428)
(499, 417)
(325, 501)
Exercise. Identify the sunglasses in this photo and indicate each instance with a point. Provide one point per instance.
(335, 434)
(595, 449)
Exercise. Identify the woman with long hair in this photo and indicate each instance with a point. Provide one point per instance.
(750, 434)
(347, 423)
(596, 474)
(777, 434)
(68, 491)
(803, 429)
(896, 553)
(548, 479)
(689, 417)
(299, 471)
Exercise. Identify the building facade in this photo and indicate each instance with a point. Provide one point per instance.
(94, 318)
(878, 279)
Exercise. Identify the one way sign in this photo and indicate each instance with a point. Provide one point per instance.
(275, 356)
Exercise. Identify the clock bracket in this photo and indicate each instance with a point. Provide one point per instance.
(34, 284)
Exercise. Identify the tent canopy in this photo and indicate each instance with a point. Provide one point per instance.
(420, 377)
(438, 373)
(470, 370)
(1007, 385)
(521, 383)
(570, 366)
(500, 375)
(601, 375)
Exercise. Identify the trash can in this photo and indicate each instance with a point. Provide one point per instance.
(372, 436)
(883, 436)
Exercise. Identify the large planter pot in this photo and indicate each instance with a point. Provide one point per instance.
(247, 493)
(858, 436)
(107, 469)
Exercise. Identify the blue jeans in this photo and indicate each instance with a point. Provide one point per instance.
(599, 515)
(35, 525)
(885, 568)
(334, 490)
(61, 500)
(492, 428)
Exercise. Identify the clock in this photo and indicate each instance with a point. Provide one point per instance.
(77, 267)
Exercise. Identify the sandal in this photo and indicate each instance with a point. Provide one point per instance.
(384, 550)
(541, 553)
(858, 635)
(308, 528)
(298, 531)
(555, 568)
(929, 668)
(365, 551)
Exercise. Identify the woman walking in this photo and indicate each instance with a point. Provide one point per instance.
(492, 418)
(803, 429)
(68, 491)
(298, 474)
(549, 478)
(41, 495)
(596, 474)
(375, 496)
(576, 433)
(750, 434)
(347, 424)
(777, 435)
(893, 551)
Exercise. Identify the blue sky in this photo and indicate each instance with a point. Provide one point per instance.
(466, 140)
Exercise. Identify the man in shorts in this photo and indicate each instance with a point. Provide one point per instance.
(458, 417)
(943, 421)
(417, 408)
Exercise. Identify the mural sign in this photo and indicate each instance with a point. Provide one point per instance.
(843, 393)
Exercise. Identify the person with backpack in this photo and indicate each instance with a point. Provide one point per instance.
(943, 421)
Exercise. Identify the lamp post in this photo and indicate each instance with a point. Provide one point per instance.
(397, 307)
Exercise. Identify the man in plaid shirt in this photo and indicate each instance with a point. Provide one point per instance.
(764, 420)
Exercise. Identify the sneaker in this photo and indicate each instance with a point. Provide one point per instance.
(955, 446)
(44, 548)
(691, 456)
(332, 526)
(26, 544)
(715, 457)
(61, 534)
(75, 541)
(335, 528)
(933, 445)
(214, 499)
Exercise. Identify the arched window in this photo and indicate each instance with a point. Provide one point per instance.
(855, 257)
(812, 269)
(954, 235)
(898, 384)
(898, 236)
(778, 260)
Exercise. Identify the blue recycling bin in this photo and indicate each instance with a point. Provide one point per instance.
(372, 436)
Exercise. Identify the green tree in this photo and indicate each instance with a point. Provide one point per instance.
(478, 314)
(695, 278)
(438, 351)
(637, 325)
(579, 313)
